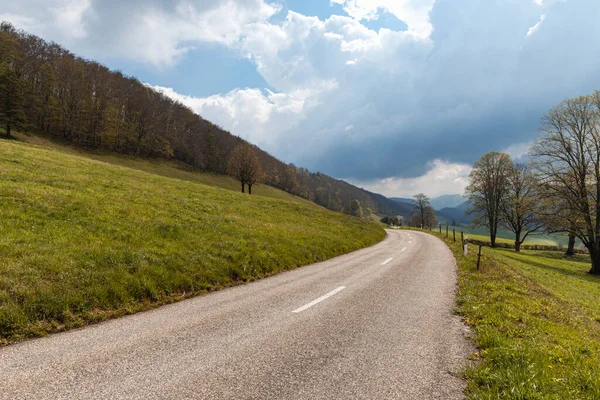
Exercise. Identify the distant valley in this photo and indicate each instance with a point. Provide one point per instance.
(449, 208)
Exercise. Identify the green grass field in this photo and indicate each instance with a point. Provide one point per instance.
(505, 236)
(169, 169)
(533, 241)
(535, 317)
(83, 240)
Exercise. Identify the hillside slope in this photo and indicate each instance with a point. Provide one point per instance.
(457, 214)
(83, 240)
(56, 93)
(447, 201)
(387, 206)
(407, 206)
(167, 168)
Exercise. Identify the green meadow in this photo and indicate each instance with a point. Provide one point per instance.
(505, 236)
(535, 318)
(166, 168)
(83, 240)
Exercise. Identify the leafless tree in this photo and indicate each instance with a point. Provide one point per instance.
(422, 202)
(520, 204)
(430, 217)
(567, 162)
(425, 216)
(245, 166)
(488, 189)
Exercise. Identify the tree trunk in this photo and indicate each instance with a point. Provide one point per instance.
(595, 256)
(571, 247)
(249, 189)
(8, 117)
(517, 241)
(243, 187)
(492, 240)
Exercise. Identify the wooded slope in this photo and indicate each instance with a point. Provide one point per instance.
(46, 88)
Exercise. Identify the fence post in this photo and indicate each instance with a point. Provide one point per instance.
(462, 237)
(446, 231)
(478, 257)
(440, 229)
(454, 234)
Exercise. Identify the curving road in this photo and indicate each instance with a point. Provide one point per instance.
(373, 324)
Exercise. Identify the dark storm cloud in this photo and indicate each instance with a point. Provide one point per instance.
(486, 82)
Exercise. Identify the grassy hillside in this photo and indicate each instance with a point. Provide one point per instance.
(167, 168)
(84, 240)
(536, 321)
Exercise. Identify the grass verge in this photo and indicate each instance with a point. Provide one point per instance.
(532, 241)
(82, 240)
(536, 321)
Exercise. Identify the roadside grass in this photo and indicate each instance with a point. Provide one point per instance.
(530, 241)
(535, 317)
(82, 240)
(506, 236)
(167, 168)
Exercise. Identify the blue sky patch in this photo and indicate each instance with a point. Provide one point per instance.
(205, 71)
(314, 8)
(385, 20)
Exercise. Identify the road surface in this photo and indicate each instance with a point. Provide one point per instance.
(373, 324)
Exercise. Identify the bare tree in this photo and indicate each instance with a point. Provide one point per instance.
(487, 190)
(519, 207)
(567, 161)
(428, 220)
(430, 217)
(245, 166)
(556, 215)
(422, 202)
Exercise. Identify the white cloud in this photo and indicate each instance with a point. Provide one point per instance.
(518, 151)
(534, 28)
(158, 33)
(257, 116)
(61, 20)
(442, 178)
(69, 17)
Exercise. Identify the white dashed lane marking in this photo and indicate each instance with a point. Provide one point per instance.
(320, 299)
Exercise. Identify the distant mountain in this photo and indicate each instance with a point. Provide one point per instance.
(444, 201)
(391, 206)
(457, 214)
(403, 200)
(447, 201)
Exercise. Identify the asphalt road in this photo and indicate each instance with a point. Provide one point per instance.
(373, 324)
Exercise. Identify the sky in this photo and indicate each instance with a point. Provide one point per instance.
(396, 96)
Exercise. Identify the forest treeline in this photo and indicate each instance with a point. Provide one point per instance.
(45, 88)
